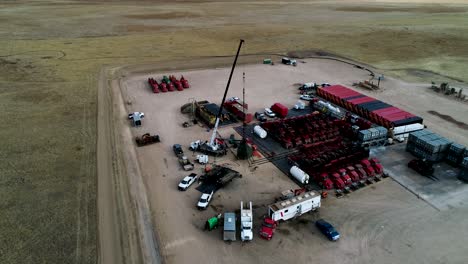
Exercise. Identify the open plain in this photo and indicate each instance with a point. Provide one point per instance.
(54, 55)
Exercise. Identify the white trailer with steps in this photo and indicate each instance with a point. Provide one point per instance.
(295, 206)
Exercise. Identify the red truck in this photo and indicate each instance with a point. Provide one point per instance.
(360, 170)
(368, 168)
(378, 168)
(280, 110)
(268, 228)
(337, 181)
(327, 184)
(345, 177)
(352, 173)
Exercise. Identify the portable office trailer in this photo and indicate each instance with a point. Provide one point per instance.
(295, 206)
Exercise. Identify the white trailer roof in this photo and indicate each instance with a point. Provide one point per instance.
(294, 200)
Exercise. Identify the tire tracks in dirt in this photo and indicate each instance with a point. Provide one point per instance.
(124, 219)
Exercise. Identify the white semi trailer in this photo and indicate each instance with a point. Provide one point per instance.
(246, 222)
(295, 206)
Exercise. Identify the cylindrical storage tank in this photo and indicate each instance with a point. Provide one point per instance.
(299, 175)
(259, 131)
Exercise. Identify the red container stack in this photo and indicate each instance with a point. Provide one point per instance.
(370, 108)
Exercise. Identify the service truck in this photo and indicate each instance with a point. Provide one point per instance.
(246, 222)
(295, 206)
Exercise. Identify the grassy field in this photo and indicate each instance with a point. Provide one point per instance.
(51, 53)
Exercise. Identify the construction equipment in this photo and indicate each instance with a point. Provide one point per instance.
(246, 222)
(218, 177)
(205, 148)
(147, 139)
(213, 147)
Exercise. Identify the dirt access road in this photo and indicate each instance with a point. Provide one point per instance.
(123, 214)
(381, 224)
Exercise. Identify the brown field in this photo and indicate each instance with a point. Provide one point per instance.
(52, 53)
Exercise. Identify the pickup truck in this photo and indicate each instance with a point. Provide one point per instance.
(186, 164)
(177, 148)
(268, 228)
(204, 200)
(187, 181)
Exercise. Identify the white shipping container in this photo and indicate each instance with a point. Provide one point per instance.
(407, 129)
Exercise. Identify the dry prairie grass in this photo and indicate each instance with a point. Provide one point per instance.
(48, 79)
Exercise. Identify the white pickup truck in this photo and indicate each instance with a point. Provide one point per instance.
(204, 200)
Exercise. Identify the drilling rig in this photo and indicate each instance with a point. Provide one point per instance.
(215, 146)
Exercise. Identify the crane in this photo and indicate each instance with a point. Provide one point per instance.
(212, 147)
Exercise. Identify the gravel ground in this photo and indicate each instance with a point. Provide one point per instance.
(383, 223)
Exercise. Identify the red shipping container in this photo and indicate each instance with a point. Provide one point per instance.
(388, 109)
(362, 100)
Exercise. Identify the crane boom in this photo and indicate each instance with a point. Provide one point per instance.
(213, 136)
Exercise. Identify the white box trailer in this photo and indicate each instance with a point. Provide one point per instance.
(295, 206)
